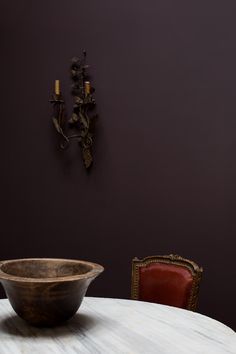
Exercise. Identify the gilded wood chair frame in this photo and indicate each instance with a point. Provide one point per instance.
(195, 270)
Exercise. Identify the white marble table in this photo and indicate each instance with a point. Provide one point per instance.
(110, 326)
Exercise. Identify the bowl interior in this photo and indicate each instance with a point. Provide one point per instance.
(45, 268)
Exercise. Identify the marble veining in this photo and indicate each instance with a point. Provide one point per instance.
(107, 326)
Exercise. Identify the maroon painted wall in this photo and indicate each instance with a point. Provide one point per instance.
(165, 156)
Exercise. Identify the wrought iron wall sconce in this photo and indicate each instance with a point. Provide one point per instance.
(81, 122)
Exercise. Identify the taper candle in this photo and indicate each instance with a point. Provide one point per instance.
(57, 87)
(87, 87)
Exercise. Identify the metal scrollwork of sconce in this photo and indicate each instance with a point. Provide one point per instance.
(82, 119)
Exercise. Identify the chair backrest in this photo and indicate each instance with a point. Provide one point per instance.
(169, 280)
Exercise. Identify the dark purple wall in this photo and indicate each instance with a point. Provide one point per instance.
(165, 156)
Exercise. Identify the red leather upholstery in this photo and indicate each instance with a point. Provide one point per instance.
(167, 284)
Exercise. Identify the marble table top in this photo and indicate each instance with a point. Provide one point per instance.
(107, 326)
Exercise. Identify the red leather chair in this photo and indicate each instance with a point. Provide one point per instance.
(169, 280)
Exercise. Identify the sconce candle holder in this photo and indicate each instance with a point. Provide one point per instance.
(82, 120)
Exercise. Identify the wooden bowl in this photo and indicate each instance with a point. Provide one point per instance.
(46, 291)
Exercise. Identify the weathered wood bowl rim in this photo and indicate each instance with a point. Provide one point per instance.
(96, 269)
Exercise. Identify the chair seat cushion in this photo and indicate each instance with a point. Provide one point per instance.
(167, 284)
